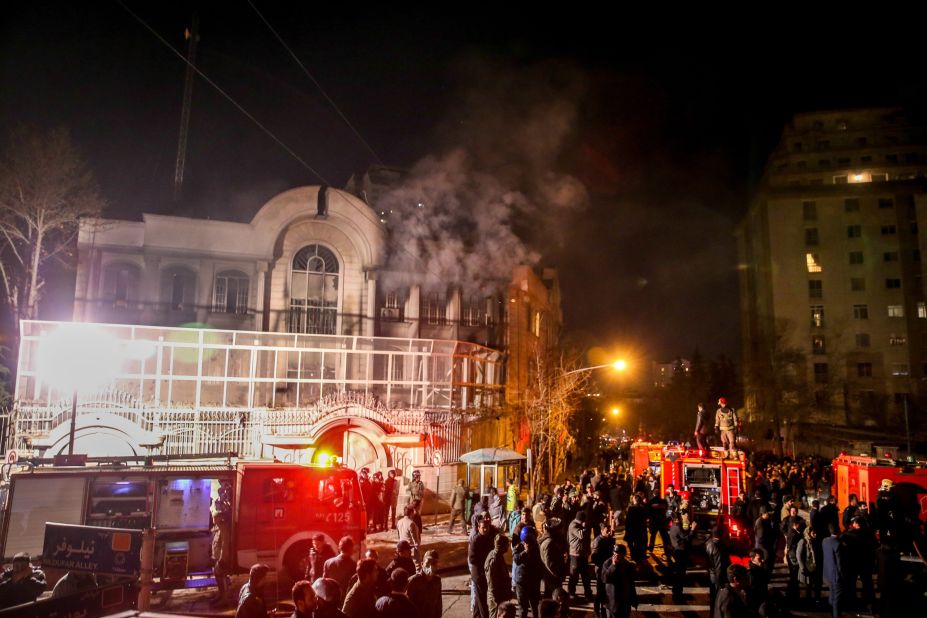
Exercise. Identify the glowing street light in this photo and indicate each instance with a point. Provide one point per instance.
(78, 357)
(618, 365)
(616, 411)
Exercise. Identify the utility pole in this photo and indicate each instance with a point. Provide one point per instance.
(192, 34)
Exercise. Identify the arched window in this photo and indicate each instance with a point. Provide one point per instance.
(178, 288)
(314, 291)
(230, 293)
(120, 284)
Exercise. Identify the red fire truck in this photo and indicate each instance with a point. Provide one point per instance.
(863, 475)
(646, 456)
(711, 482)
(274, 508)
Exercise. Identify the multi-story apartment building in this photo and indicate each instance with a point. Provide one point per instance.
(286, 336)
(832, 288)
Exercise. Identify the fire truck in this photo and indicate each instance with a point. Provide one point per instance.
(710, 481)
(273, 509)
(863, 475)
(646, 456)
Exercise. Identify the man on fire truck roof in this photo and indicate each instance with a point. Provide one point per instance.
(726, 423)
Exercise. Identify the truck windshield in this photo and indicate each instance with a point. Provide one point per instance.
(703, 476)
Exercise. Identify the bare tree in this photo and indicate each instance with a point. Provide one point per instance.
(554, 396)
(45, 189)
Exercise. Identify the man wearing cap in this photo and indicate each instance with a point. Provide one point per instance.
(22, 583)
(726, 424)
(620, 591)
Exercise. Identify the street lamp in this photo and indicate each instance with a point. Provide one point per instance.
(616, 411)
(618, 365)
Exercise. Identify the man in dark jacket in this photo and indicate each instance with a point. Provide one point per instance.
(318, 554)
(835, 571)
(361, 599)
(620, 591)
(719, 559)
(860, 546)
(758, 577)
(731, 601)
(553, 556)
(402, 559)
(579, 541)
(704, 422)
(22, 583)
(498, 576)
(527, 573)
(425, 588)
(603, 547)
(251, 598)
(764, 534)
(396, 604)
(341, 567)
(681, 542)
(304, 599)
(635, 529)
(480, 545)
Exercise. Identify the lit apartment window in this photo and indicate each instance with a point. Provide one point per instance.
(888, 230)
(862, 340)
(817, 316)
(897, 340)
(864, 370)
(922, 310)
(896, 311)
(893, 284)
(811, 236)
(814, 264)
(886, 202)
(857, 284)
(820, 373)
(815, 288)
(841, 125)
(809, 211)
(856, 257)
(890, 256)
(851, 204)
(854, 231)
(900, 369)
(860, 312)
(841, 180)
(818, 345)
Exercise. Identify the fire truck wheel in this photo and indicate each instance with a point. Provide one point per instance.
(296, 560)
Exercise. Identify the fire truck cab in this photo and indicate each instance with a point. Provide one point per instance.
(863, 475)
(273, 510)
(646, 456)
(710, 482)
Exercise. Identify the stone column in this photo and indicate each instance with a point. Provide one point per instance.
(370, 318)
(414, 310)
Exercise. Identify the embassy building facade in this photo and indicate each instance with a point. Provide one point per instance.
(285, 337)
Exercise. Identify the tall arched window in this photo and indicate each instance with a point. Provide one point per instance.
(314, 291)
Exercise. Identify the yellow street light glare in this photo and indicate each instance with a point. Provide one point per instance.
(620, 365)
(616, 411)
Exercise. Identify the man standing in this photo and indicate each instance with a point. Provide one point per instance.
(361, 599)
(635, 530)
(319, 553)
(221, 554)
(23, 583)
(409, 531)
(764, 534)
(251, 598)
(304, 599)
(425, 588)
(498, 576)
(481, 544)
(527, 573)
(390, 499)
(396, 604)
(731, 599)
(341, 567)
(416, 490)
(578, 538)
(703, 427)
(553, 555)
(682, 545)
(834, 570)
(719, 559)
(458, 498)
(620, 591)
(726, 423)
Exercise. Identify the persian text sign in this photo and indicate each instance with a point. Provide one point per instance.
(107, 551)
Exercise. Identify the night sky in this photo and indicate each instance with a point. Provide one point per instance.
(668, 127)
